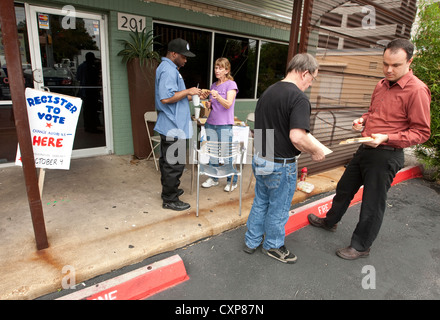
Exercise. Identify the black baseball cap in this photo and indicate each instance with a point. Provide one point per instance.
(180, 46)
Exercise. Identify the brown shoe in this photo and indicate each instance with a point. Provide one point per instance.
(320, 223)
(351, 253)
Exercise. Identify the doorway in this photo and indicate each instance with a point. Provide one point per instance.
(68, 55)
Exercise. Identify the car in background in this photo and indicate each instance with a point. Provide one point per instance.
(60, 80)
(56, 79)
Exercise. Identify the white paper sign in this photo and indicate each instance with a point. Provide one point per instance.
(52, 120)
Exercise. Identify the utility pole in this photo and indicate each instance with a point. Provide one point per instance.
(8, 25)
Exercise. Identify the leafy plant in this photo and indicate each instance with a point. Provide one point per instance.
(426, 66)
(140, 45)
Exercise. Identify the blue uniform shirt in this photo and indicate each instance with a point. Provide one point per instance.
(174, 119)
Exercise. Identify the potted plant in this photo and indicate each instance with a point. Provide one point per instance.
(141, 61)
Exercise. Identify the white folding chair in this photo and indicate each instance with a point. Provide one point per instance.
(151, 117)
(250, 118)
(230, 154)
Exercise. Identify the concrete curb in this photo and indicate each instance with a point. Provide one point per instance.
(298, 217)
(137, 284)
(146, 281)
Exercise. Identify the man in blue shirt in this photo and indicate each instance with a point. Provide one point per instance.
(173, 121)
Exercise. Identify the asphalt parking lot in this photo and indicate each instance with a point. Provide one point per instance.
(404, 263)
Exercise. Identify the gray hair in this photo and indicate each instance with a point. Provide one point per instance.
(302, 62)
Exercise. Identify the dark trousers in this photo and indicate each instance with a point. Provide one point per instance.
(171, 165)
(375, 169)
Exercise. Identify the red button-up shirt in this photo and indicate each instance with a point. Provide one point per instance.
(401, 111)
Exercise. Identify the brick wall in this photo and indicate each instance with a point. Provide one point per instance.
(216, 11)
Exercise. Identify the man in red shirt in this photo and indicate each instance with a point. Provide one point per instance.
(398, 117)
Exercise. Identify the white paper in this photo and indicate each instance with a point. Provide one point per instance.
(319, 144)
(52, 120)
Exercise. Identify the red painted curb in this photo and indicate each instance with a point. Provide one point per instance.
(137, 284)
(146, 281)
(298, 217)
(407, 173)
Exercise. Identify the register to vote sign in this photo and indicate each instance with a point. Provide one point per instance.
(52, 120)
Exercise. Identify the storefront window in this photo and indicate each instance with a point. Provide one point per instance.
(242, 54)
(5, 94)
(8, 134)
(197, 69)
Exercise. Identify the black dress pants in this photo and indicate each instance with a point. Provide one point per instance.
(375, 169)
(171, 162)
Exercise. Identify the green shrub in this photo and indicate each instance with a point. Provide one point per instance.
(426, 67)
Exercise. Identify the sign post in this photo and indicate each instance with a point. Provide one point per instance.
(52, 120)
(16, 84)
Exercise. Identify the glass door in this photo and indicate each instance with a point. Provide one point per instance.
(68, 53)
(8, 133)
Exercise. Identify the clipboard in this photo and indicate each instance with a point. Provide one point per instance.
(356, 140)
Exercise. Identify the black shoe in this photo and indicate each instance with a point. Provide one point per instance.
(281, 254)
(176, 205)
(351, 253)
(320, 223)
(249, 250)
(252, 250)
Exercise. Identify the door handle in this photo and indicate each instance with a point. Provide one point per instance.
(37, 75)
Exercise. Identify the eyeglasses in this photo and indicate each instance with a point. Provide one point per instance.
(314, 78)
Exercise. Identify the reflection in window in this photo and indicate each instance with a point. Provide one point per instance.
(8, 133)
(197, 69)
(5, 94)
(273, 57)
(242, 54)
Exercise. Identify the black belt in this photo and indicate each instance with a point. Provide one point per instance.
(280, 160)
(284, 160)
(382, 147)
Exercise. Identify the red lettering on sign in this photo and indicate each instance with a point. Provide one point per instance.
(47, 142)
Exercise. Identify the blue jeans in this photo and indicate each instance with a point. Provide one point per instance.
(222, 133)
(274, 189)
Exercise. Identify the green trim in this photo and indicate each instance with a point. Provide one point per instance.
(120, 102)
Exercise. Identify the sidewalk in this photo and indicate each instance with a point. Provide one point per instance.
(105, 213)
